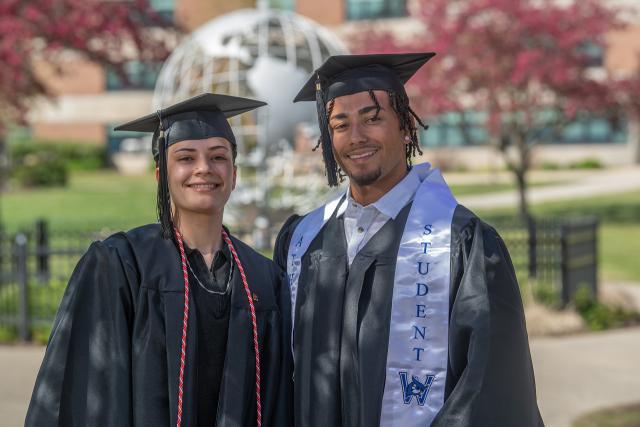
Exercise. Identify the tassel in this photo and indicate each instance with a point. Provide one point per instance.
(164, 198)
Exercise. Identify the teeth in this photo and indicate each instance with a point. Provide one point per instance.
(360, 156)
(203, 186)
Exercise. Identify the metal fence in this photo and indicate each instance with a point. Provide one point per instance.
(35, 266)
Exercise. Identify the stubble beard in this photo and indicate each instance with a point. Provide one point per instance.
(367, 178)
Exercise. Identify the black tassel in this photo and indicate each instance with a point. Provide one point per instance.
(164, 198)
(325, 137)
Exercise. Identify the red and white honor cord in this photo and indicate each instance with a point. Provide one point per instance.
(185, 318)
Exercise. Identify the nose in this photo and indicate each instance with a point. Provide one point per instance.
(357, 134)
(203, 165)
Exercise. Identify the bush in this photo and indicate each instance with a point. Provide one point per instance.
(599, 316)
(586, 164)
(41, 170)
(41, 164)
(76, 156)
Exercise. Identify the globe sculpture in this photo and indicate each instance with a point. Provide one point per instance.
(263, 54)
(256, 53)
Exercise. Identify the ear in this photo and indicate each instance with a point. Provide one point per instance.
(235, 174)
(157, 174)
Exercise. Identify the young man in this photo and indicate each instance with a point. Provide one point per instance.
(176, 323)
(406, 307)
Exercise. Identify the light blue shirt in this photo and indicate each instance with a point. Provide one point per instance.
(361, 223)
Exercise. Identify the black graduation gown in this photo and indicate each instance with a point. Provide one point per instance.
(342, 320)
(114, 351)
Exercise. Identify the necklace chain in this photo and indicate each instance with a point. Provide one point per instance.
(226, 288)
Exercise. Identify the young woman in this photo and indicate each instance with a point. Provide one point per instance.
(176, 323)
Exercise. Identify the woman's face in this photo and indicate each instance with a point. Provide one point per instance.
(201, 175)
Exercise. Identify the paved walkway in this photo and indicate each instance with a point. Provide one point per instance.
(574, 375)
(582, 185)
(581, 373)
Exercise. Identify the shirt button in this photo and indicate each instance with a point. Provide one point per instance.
(360, 230)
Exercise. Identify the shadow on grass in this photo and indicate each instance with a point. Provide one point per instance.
(622, 416)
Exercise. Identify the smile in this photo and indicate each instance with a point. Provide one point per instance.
(362, 155)
(203, 187)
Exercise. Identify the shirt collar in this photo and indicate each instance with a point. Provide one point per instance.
(392, 202)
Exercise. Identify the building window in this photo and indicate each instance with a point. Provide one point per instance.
(164, 8)
(455, 129)
(139, 76)
(375, 9)
(289, 5)
(593, 54)
(591, 130)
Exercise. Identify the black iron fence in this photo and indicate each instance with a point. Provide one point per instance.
(558, 254)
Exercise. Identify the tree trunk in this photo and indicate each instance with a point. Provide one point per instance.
(4, 165)
(634, 137)
(521, 183)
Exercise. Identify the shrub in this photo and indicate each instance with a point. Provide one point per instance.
(76, 156)
(41, 170)
(587, 164)
(599, 316)
(42, 164)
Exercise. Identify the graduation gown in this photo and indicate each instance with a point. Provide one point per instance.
(342, 318)
(114, 352)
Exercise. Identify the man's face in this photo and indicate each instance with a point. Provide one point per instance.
(201, 175)
(369, 147)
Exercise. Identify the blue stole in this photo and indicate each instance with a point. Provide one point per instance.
(418, 336)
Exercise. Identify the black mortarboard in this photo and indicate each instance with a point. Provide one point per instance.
(348, 74)
(342, 75)
(201, 117)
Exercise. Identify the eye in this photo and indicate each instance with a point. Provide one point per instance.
(185, 158)
(220, 158)
(339, 126)
(373, 119)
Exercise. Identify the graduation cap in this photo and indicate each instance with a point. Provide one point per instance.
(201, 117)
(342, 75)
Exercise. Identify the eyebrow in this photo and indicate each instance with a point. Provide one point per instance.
(362, 111)
(215, 147)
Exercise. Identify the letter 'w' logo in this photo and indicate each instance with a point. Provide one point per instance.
(415, 388)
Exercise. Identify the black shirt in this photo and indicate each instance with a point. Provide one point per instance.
(211, 292)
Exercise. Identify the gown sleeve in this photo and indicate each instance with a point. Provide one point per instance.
(85, 377)
(490, 378)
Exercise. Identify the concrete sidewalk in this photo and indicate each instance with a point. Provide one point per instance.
(582, 373)
(583, 185)
(574, 374)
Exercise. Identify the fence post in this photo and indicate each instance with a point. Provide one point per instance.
(532, 246)
(42, 250)
(21, 252)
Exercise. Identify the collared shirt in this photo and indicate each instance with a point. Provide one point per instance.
(211, 294)
(361, 223)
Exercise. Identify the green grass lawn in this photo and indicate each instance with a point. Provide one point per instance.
(99, 200)
(619, 235)
(91, 201)
(625, 416)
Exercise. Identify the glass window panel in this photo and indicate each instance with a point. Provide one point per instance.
(375, 9)
(283, 4)
(140, 75)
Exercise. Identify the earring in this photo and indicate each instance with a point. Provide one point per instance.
(406, 138)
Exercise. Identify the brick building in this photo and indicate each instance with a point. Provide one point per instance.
(91, 99)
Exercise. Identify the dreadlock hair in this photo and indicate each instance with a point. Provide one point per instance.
(407, 117)
(163, 200)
